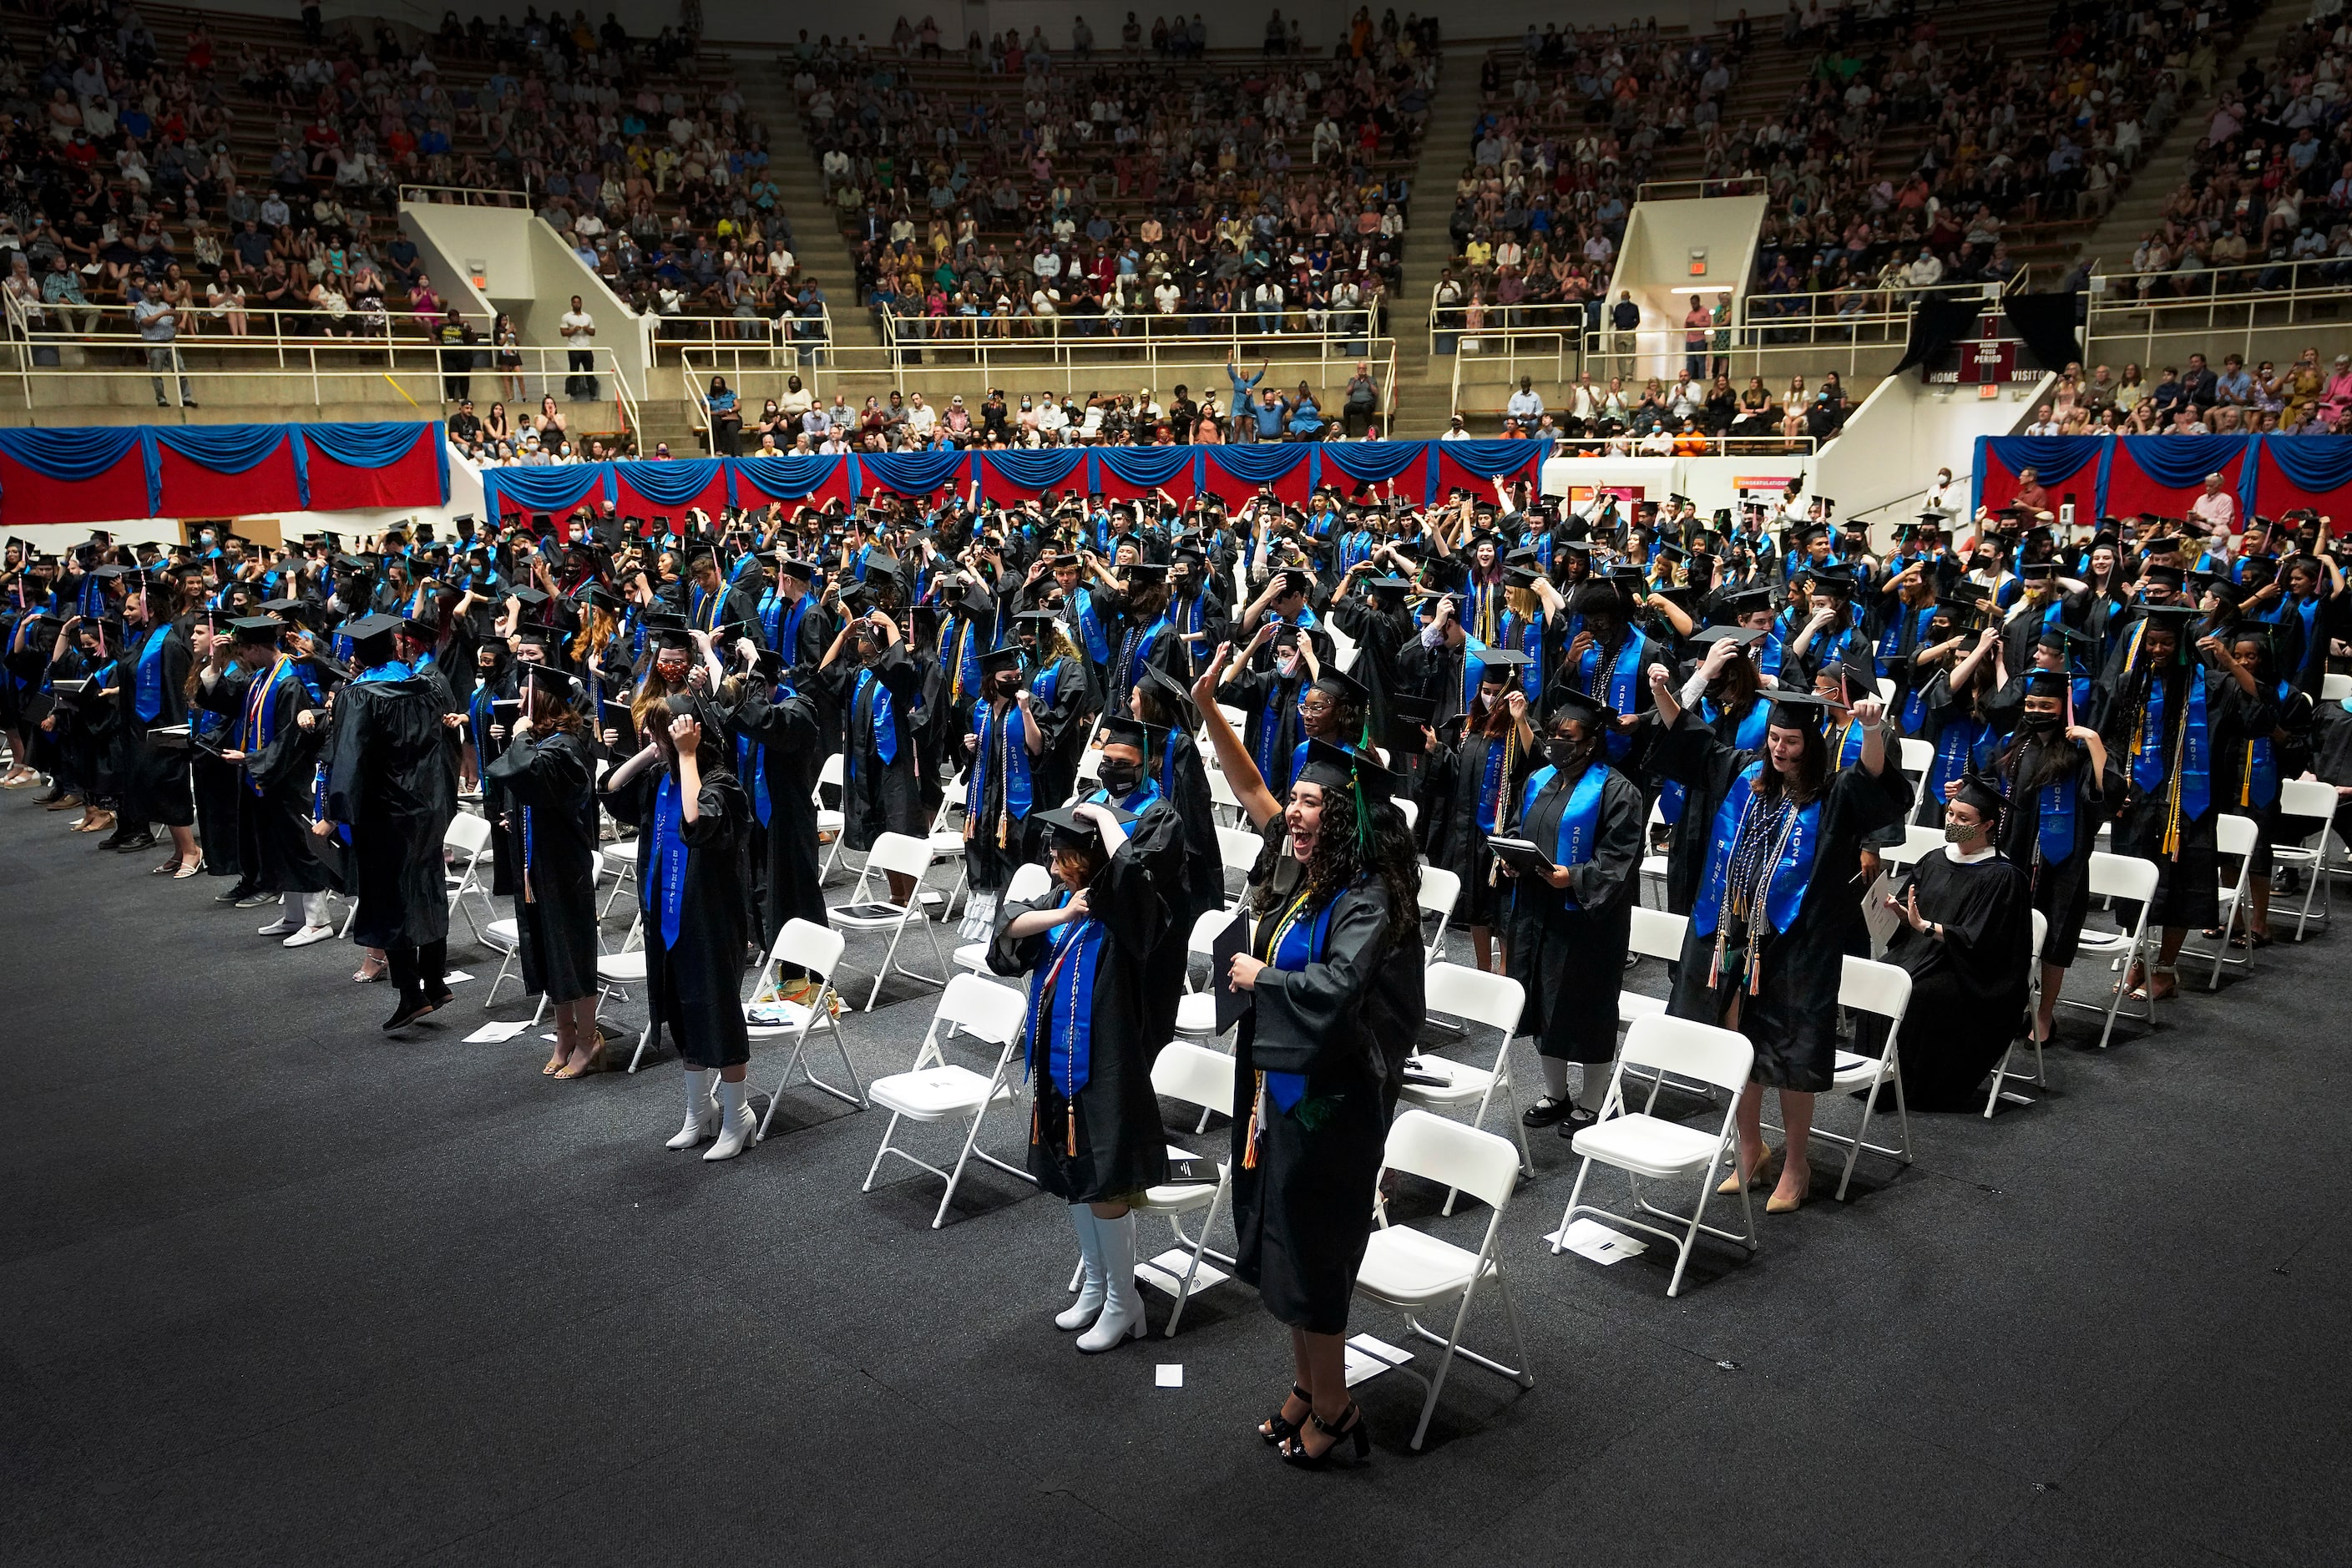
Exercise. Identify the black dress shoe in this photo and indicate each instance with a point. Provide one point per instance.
(235, 894)
(441, 997)
(411, 1009)
(1577, 1121)
(136, 841)
(1546, 1111)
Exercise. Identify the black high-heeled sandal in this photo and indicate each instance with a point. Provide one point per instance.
(1351, 1422)
(1278, 1431)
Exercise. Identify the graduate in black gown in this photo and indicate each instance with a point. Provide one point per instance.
(1965, 941)
(1104, 951)
(868, 680)
(1467, 788)
(1335, 974)
(690, 814)
(155, 767)
(277, 754)
(392, 779)
(546, 779)
(1565, 941)
(2265, 739)
(2061, 782)
(780, 750)
(1000, 752)
(1724, 689)
(1060, 701)
(1779, 905)
(1166, 708)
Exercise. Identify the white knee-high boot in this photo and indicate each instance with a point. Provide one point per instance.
(1122, 1313)
(736, 1125)
(701, 1115)
(1089, 1303)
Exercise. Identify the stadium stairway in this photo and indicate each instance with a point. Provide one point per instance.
(1426, 381)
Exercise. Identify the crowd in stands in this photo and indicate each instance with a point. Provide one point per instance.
(2267, 202)
(2198, 398)
(1032, 191)
(1689, 415)
(253, 187)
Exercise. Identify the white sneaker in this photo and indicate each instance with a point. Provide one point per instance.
(701, 1124)
(279, 928)
(310, 935)
(735, 1136)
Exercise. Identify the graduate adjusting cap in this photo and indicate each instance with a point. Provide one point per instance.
(258, 628)
(1741, 636)
(2046, 683)
(1500, 662)
(1066, 820)
(1568, 702)
(1793, 710)
(1982, 795)
(553, 679)
(1168, 687)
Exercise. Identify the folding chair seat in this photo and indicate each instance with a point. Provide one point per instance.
(816, 951)
(908, 857)
(2309, 807)
(467, 839)
(1490, 1001)
(1646, 1146)
(936, 1089)
(1884, 991)
(1195, 1076)
(1416, 1272)
(2001, 1072)
(1196, 1011)
(2234, 835)
(2111, 877)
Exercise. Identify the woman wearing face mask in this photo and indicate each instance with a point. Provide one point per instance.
(544, 779)
(1470, 787)
(1967, 927)
(1000, 750)
(1106, 958)
(1732, 696)
(1955, 724)
(1335, 974)
(868, 678)
(2060, 782)
(1165, 709)
(1776, 911)
(2266, 737)
(690, 812)
(1565, 934)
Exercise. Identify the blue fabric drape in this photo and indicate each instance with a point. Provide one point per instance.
(908, 473)
(2054, 458)
(1366, 461)
(2316, 463)
(545, 490)
(674, 483)
(1147, 468)
(72, 455)
(1047, 469)
(800, 474)
(2178, 461)
(1490, 460)
(371, 444)
(222, 448)
(1258, 464)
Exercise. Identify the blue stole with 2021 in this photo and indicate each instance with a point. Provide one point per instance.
(2150, 758)
(2053, 812)
(1622, 690)
(148, 699)
(1061, 1003)
(1002, 734)
(260, 725)
(1091, 634)
(1579, 819)
(1965, 742)
(1749, 737)
(1296, 944)
(1786, 890)
(667, 884)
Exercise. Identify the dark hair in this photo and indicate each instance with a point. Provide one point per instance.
(1812, 766)
(1339, 862)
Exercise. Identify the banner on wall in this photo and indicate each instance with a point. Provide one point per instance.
(2122, 476)
(105, 473)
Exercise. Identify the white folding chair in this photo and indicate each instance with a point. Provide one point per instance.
(1654, 866)
(1883, 990)
(1885, 692)
(1414, 1271)
(469, 838)
(1344, 650)
(1493, 1002)
(615, 972)
(829, 773)
(908, 857)
(1221, 794)
(2335, 688)
(1917, 759)
(936, 1088)
(504, 937)
(2310, 807)
(2118, 877)
(1199, 1076)
(1196, 1010)
(2000, 1073)
(1238, 848)
(946, 838)
(621, 861)
(2234, 834)
(1918, 841)
(1656, 934)
(1407, 809)
(1030, 882)
(816, 951)
(1238, 718)
(1643, 1144)
(1441, 889)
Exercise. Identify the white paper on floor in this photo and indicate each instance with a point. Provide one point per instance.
(1591, 1238)
(494, 1033)
(454, 977)
(1370, 1357)
(548, 1036)
(1166, 1272)
(1168, 1374)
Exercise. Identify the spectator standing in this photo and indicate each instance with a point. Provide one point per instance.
(579, 329)
(456, 339)
(1699, 324)
(159, 327)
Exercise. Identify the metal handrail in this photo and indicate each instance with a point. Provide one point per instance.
(1709, 186)
(466, 195)
(421, 324)
(1716, 446)
(1241, 329)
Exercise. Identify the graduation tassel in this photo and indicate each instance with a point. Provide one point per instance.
(1249, 1138)
(1070, 1120)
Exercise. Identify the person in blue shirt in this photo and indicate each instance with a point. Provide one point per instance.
(1243, 386)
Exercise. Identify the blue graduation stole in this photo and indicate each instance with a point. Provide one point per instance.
(1146, 791)
(260, 725)
(1526, 633)
(1750, 738)
(1486, 608)
(1848, 749)
(1091, 634)
(668, 882)
(148, 698)
(1296, 945)
(2054, 812)
(1769, 652)
(1195, 613)
(886, 730)
(1851, 648)
(1474, 670)
(959, 656)
(1963, 742)
(1269, 724)
(1622, 690)
(2192, 782)
(1355, 548)
(204, 720)
(1137, 649)
(1490, 789)
(999, 733)
(1791, 873)
(1579, 819)
(2259, 784)
(751, 761)
(779, 624)
(715, 600)
(1061, 1004)
(478, 714)
(390, 670)
(1890, 641)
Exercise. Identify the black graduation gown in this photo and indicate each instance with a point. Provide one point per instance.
(988, 862)
(697, 986)
(1567, 945)
(499, 686)
(1184, 785)
(276, 797)
(877, 797)
(155, 777)
(1380, 638)
(1454, 779)
(1687, 838)
(791, 740)
(1067, 722)
(1303, 1196)
(391, 781)
(1968, 991)
(1266, 697)
(1793, 1018)
(2187, 893)
(553, 778)
(2060, 888)
(1114, 1146)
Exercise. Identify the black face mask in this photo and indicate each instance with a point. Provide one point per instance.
(2041, 723)
(1119, 778)
(1567, 753)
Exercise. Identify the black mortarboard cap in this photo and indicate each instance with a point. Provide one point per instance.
(1339, 684)
(1501, 658)
(255, 627)
(999, 659)
(1742, 635)
(1568, 702)
(1117, 730)
(1982, 793)
(368, 627)
(1338, 768)
(1066, 820)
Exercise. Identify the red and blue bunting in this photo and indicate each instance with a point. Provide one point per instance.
(110, 473)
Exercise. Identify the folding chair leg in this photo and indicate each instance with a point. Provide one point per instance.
(886, 1131)
(539, 1012)
(1192, 1270)
(504, 963)
(645, 1038)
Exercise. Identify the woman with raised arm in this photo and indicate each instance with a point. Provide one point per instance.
(1335, 976)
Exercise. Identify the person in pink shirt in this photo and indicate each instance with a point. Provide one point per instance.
(2216, 510)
